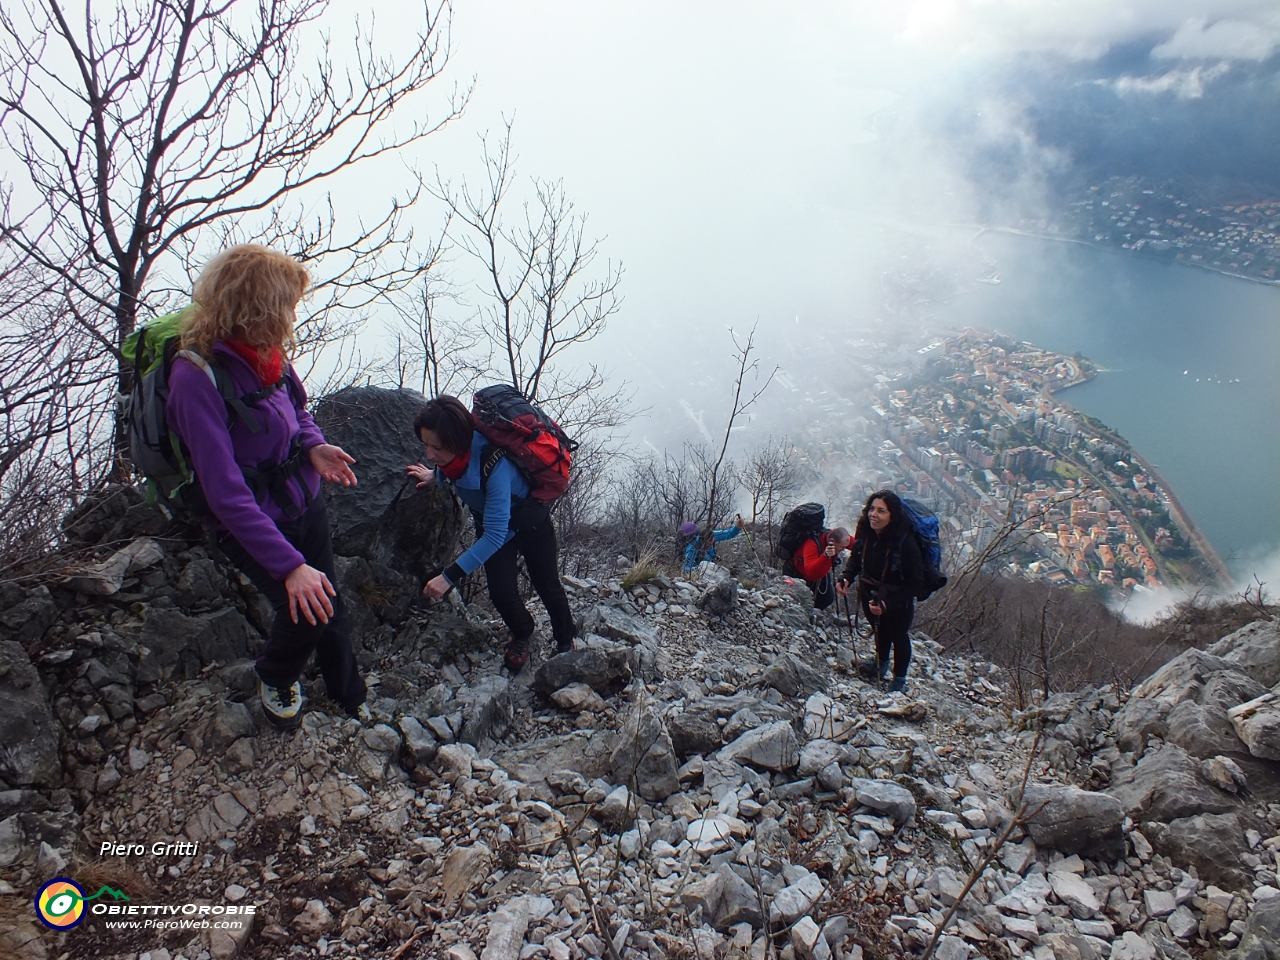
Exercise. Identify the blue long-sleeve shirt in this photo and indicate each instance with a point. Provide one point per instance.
(691, 558)
(492, 505)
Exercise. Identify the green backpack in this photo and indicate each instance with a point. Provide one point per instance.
(158, 452)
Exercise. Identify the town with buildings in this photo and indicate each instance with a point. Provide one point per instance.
(969, 425)
(1241, 239)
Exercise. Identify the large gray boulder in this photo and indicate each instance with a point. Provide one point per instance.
(178, 646)
(771, 747)
(27, 731)
(385, 518)
(1075, 821)
(642, 756)
(1185, 702)
(26, 620)
(1258, 724)
(1212, 843)
(605, 672)
(1261, 940)
(792, 677)
(1167, 785)
(1255, 649)
(610, 621)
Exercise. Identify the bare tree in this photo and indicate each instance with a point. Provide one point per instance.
(742, 402)
(152, 130)
(770, 475)
(543, 292)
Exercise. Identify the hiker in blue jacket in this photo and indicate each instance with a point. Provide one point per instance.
(508, 522)
(694, 551)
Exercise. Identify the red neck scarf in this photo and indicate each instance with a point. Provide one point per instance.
(456, 467)
(268, 370)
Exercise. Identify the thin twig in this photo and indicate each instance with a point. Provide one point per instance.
(1018, 820)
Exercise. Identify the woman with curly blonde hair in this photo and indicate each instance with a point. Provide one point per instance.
(260, 459)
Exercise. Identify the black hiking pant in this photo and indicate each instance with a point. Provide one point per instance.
(893, 634)
(537, 544)
(290, 646)
(824, 591)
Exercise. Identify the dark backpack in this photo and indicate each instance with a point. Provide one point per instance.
(159, 454)
(925, 528)
(531, 439)
(799, 524)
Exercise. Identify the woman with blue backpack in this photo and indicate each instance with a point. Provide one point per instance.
(509, 521)
(886, 561)
(240, 412)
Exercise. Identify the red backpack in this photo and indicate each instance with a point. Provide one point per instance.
(535, 442)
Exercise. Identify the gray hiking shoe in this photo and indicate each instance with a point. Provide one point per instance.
(282, 705)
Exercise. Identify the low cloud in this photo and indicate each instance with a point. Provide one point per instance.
(1088, 29)
(1224, 40)
(1184, 84)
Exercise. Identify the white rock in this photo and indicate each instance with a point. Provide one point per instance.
(709, 835)
(793, 902)
(1132, 947)
(1183, 923)
(1159, 903)
(507, 927)
(1076, 894)
(804, 935)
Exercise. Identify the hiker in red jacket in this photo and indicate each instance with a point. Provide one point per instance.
(815, 560)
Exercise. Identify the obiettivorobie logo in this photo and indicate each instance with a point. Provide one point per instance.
(60, 902)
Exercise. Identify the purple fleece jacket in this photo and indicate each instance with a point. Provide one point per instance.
(199, 415)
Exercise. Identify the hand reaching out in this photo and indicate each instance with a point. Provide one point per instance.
(333, 464)
(424, 475)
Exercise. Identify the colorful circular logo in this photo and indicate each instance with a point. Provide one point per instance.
(60, 903)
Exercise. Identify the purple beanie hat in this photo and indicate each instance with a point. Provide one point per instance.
(688, 528)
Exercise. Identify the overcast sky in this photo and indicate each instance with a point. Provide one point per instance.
(734, 156)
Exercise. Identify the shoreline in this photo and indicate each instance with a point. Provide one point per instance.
(982, 227)
(1177, 513)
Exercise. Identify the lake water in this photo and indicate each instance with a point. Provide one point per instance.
(1191, 377)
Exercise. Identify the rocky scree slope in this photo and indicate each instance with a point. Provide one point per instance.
(704, 777)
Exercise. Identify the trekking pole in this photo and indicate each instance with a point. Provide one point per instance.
(853, 637)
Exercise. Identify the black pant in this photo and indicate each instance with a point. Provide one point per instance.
(537, 544)
(824, 592)
(892, 633)
(290, 646)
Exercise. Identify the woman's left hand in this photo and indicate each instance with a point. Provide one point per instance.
(333, 464)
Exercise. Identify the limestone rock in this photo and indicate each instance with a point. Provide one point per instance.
(104, 578)
(642, 754)
(487, 709)
(420, 746)
(772, 746)
(231, 721)
(608, 620)
(1254, 648)
(1261, 939)
(314, 920)
(603, 672)
(1213, 844)
(507, 927)
(578, 697)
(887, 797)
(1258, 724)
(1167, 785)
(792, 677)
(386, 518)
(27, 728)
(1075, 821)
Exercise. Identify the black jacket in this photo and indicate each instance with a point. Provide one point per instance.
(890, 569)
